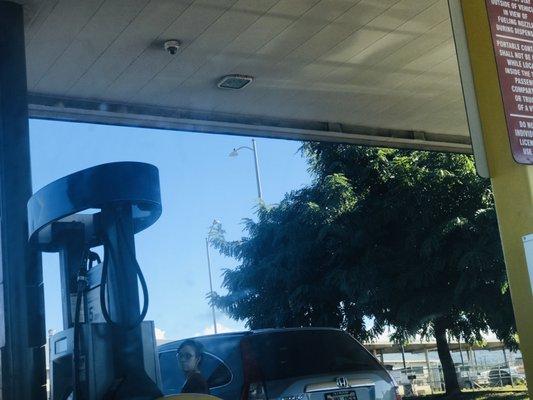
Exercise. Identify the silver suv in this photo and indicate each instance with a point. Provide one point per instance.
(283, 364)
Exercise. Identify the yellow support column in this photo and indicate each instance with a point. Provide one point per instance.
(512, 183)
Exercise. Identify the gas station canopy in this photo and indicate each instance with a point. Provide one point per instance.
(359, 71)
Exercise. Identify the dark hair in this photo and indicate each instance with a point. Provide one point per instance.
(198, 347)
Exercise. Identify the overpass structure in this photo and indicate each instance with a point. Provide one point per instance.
(394, 348)
(372, 72)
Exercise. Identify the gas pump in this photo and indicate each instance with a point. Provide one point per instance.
(106, 350)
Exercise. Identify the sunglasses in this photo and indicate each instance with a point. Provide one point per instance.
(184, 356)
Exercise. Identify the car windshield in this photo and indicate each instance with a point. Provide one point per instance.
(282, 355)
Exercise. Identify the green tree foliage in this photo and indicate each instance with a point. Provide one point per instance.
(407, 239)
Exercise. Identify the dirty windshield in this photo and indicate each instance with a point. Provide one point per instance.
(242, 246)
(266, 199)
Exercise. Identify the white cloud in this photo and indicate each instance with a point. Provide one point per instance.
(160, 334)
(208, 330)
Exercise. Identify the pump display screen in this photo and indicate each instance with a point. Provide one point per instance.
(61, 346)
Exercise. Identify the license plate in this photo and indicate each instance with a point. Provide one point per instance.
(341, 395)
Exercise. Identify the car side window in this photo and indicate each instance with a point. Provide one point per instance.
(215, 372)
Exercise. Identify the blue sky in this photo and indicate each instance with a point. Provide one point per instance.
(199, 183)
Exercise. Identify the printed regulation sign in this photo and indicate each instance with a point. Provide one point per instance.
(511, 25)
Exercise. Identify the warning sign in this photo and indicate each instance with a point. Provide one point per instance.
(511, 25)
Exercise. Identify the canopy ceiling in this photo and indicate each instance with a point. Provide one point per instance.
(380, 72)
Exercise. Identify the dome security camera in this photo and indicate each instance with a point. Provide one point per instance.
(172, 46)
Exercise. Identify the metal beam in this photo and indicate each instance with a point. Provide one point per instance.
(22, 329)
(143, 116)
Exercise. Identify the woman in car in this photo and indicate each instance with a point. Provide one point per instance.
(190, 357)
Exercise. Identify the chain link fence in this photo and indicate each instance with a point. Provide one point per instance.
(419, 380)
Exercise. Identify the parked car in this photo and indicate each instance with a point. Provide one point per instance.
(283, 364)
(499, 377)
(502, 377)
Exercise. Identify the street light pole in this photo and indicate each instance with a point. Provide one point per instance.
(210, 283)
(235, 153)
(258, 180)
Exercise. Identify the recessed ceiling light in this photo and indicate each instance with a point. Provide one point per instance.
(235, 81)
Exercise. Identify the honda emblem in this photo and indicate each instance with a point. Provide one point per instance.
(342, 382)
